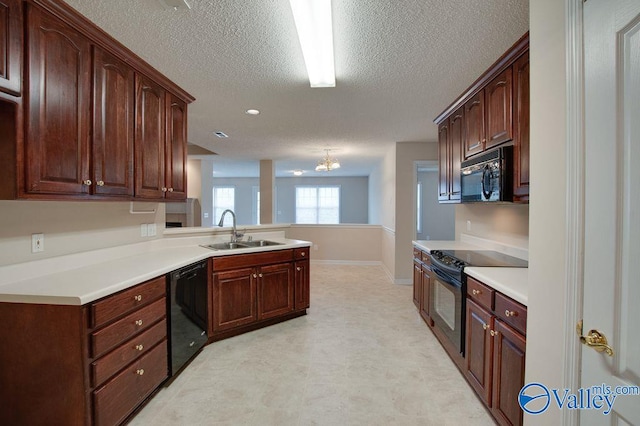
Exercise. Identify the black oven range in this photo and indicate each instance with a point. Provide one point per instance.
(448, 289)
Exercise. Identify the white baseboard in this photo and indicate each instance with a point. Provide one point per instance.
(348, 262)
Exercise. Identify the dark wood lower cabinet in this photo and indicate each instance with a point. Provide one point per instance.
(495, 351)
(233, 299)
(253, 291)
(479, 350)
(508, 374)
(425, 294)
(417, 283)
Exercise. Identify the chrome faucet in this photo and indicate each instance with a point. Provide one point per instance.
(235, 236)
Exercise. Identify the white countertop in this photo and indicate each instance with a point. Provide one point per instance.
(512, 282)
(60, 281)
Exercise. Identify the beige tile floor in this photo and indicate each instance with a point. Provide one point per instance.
(362, 356)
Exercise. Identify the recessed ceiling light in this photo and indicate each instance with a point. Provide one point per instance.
(252, 112)
(176, 5)
(297, 172)
(221, 134)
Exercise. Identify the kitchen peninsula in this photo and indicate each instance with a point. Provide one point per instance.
(89, 344)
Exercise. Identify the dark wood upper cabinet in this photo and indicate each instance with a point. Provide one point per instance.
(150, 139)
(498, 109)
(10, 46)
(113, 125)
(450, 140)
(443, 162)
(58, 106)
(495, 112)
(474, 138)
(521, 128)
(176, 149)
(456, 138)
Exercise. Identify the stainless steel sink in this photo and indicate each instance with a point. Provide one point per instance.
(241, 245)
(226, 246)
(261, 243)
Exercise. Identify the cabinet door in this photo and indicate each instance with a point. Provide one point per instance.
(275, 290)
(10, 46)
(417, 283)
(521, 128)
(456, 141)
(176, 149)
(474, 125)
(499, 111)
(58, 106)
(149, 139)
(425, 294)
(233, 299)
(443, 161)
(479, 350)
(508, 374)
(302, 280)
(113, 123)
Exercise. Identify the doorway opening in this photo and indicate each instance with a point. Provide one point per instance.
(433, 220)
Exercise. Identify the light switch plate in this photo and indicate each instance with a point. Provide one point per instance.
(143, 230)
(151, 229)
(37, 243)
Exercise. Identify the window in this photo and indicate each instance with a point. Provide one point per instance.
(256, 205)
(318, 204)
(419, 208)
(223, 198)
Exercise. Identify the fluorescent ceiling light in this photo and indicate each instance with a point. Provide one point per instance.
(313, 22)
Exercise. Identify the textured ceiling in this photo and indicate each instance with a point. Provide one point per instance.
(399, 63)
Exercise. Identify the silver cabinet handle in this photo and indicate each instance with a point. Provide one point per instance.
(87, 182)
(170, 190)
(100, 183)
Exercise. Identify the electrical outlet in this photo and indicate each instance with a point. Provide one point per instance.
(151, 230)
(206, 215)
(143, 230)
(468, 225)
(315, 247)
(37, 243)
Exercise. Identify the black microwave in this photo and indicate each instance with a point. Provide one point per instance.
(488, 177)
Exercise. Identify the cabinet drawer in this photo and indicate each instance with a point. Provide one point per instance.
(125, 301)
(511, 312)
(114, 401)
(301, 253)
(426, 257)
(480, 293)
(238, 261)
(417, 253)
(121, 330)
(111, 363)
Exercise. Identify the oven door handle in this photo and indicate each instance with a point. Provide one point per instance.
(446, 279)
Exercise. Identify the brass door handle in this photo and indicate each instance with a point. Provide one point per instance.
(594, 339)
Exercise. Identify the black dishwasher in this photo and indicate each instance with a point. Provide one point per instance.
(187, 307)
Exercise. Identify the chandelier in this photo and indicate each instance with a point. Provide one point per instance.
(327, 163)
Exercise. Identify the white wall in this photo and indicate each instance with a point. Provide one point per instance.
(438, 219)
(386, 208)
(505, 223)
(547, 222)
(71, 227)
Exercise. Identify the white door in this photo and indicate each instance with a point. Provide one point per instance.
(612, 202)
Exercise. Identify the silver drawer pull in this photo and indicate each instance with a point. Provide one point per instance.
(509, 313)
(140, 371)
(485, 326)
(298, 268)
(139, 347)
(303, 254)
(476, 292)
(138, 298)
(191, 344)
(260, 275)
(255, 275)
(139, 322)
(493, 333)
